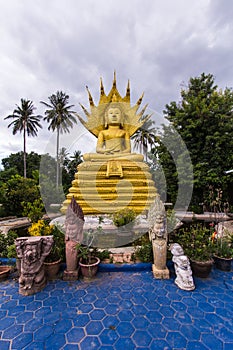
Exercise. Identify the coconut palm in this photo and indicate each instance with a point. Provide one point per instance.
(145, 137)
(25, 121)
(76, 159)
(60, 118)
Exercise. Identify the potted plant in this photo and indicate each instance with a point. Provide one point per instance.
(223, 251)
(7, 253)
(57, 254)
(196, 241)
(124, 220)
(88, 261)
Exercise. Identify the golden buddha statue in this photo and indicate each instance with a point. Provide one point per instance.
(112, 178)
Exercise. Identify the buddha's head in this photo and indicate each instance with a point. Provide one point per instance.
(113, 115)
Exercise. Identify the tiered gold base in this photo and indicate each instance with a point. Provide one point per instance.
(107, 186)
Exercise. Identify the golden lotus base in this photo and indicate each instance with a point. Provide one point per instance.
(107, 186)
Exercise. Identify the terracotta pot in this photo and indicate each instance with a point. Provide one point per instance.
(4, 272)
(222, 264)
(89, 270)
(201, 268)
(52, 269)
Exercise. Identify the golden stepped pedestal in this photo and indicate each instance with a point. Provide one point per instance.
(107, 186)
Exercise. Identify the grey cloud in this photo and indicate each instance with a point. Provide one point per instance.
(65, 45)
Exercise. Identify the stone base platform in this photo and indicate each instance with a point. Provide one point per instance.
(160, 274)
(71, 275)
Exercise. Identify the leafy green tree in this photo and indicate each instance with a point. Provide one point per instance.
(47, 182)
(204, 120)
(145, 137)
(17, 190)
(60, 118)
(15, 160)
(25, 121)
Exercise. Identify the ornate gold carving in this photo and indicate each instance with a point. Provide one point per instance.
(96, 117)
(113, 178)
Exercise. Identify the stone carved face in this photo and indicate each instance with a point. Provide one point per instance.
(31, 253)
(176, 249)
(159, 227)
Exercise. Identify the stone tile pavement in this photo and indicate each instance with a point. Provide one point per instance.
(119, 310)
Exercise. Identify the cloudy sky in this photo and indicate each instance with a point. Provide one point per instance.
(65, 45)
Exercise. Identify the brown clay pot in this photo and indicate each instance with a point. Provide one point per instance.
(201, 268)
(4, 272)
(52, 269)
(89, 270)
(222, 264)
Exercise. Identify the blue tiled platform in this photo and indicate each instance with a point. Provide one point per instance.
(119, 310)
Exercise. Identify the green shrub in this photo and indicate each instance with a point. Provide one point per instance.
(123, 217)
(144, 253)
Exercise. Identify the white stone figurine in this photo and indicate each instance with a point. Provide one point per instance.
(184, 279)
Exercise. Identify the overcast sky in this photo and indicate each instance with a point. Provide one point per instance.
(50, 45)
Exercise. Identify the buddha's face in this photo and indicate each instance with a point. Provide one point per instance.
(114, 116)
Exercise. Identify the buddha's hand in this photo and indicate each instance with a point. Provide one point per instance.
(108, 151)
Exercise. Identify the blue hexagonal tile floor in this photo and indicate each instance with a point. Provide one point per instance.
(119, 310)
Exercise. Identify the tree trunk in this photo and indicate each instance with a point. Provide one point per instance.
(24, 153)
(57, 155)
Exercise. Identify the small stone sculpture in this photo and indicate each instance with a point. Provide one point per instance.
(32, 252)
(184, 279)
(73, 234)
(158, 237)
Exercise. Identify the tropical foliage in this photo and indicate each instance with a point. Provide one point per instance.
(123, 217)
(204, 120)
(60, 118)
(16, 191)
(196, 241)
(145, 137)
(25, 121)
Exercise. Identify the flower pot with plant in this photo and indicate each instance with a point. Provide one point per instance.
(196, 242)
(124, 220)
(57, 254)
(88, 260)
(223, 251)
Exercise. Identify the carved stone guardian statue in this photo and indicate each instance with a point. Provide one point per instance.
(32, 252)
(158, 237)
(73, 235)
(184, 279)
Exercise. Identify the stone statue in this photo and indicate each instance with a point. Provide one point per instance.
(95, 187)
(32, 252)
(73, 235)
(184, 279)
(158, 237)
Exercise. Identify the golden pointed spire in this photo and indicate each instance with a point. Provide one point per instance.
(90, 98)
(114, 80)
(139, 101)
(96, 117)
(102, 93)
(128, 90)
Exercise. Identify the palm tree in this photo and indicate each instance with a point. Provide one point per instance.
(60, 118)
(145, 137)
(76, 159)
(25, 121)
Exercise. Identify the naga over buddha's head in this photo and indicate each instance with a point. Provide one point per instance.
(97, 118)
